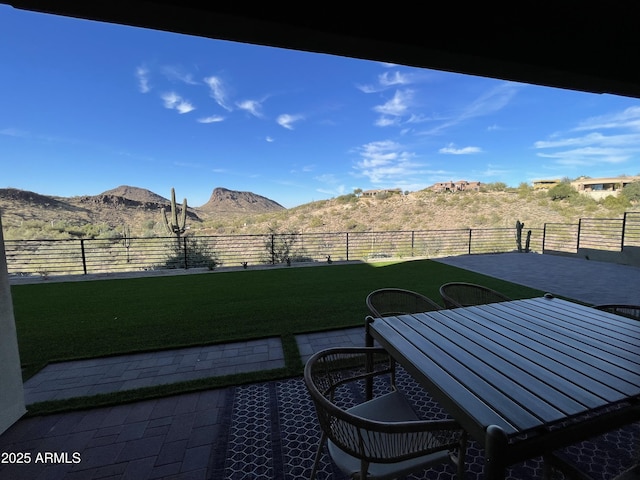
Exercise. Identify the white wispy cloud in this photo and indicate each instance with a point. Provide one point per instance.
(254, 107)
(487, 104)
(211, 119)
(14, 132)
(494, 171)
(388, 79)
(386, 162)
(619, 145)
(287, 120)
(368, 88)
(175, 73)
(453, 150)
(394, 108)
(595, 138)
(185, 107)
(627, 119)
(384, 121)
(269, 139)
(397, 105)
(173, 101)
(333, 184)
(142, 74)
(590, 156)
(218, 91)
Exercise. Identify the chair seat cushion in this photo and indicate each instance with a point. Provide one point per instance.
(392, 407)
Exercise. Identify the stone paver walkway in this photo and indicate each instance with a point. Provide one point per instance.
(126, 372)
(59, 381)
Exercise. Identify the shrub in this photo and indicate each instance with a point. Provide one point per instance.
(562, 191)
(494, 187)
(348, 198)
(631, 192)
(199, 254)
(618, 203)
(279, 246)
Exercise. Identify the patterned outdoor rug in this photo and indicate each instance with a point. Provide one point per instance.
(270, 432)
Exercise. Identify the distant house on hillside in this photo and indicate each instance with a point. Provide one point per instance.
(459, 186)
(599, 188)
(383, 191)
(545, 184)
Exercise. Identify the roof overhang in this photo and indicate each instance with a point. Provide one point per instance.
(571, 45)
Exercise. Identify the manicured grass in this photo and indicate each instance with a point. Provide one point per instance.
(63, 321)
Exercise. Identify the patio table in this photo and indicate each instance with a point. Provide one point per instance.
(522, 377)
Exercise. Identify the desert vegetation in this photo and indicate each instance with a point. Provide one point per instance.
(495, 206)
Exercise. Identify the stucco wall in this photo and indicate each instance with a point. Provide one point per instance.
(11, 390)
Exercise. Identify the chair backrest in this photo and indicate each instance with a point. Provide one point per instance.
(329, 376)
(462, 294)
(626, 310)
(387, 302)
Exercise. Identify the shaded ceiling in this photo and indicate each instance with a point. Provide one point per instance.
(573, 45)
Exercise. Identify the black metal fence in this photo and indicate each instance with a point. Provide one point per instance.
(610, 234)
(83, 256)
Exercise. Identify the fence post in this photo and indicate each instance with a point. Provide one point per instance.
(84, 258)
(413, 238)
(347, 246)
(273, 249)
(184, 245)
(624, 227)
(579, 232)
(470, 231)
(544, 236)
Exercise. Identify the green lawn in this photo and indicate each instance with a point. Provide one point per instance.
(72, 320)
(63, 321)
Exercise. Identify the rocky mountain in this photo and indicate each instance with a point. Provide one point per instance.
(119, 206)
(231, 213)
(141, 195)
(223, 200)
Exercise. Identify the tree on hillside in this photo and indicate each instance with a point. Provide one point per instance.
(562, 191)
(494, 187)
(631, 192)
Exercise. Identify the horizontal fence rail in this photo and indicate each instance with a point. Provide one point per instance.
(631, 231)
(84, 256)
(601, 234)
(58, 257)
(560, 237)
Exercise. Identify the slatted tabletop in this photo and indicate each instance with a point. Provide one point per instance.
(525, 366)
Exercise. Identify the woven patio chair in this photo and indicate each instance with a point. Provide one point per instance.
(380, 438)
(461, 294)
(387, 302)
(626, 310)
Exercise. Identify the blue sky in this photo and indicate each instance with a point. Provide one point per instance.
(89, 106)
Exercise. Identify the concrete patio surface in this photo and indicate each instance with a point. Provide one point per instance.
(584, 280)
(259, 431)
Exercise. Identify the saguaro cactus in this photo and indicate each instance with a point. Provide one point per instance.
(519, 227)
(175, 227)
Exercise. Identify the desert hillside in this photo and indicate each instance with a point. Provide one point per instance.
(423, 210)
(30, 215)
